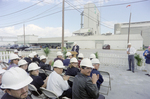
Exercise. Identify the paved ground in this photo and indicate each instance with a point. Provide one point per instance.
(127, 85)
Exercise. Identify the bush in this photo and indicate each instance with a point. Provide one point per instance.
(46, 51)
(64, 52)
(96, 54)
(139, 59)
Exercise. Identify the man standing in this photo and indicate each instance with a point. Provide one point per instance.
(84, 87)
(15, 82)
(75, 48)
(147, 55)
(131, 51)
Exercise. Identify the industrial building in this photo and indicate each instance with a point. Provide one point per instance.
(142, 28)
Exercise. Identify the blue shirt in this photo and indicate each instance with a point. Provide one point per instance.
(100, 80)
(148, 57)
(146, 51)
(66, 62)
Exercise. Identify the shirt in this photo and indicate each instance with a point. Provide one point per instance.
(12, 65)
(131, 50)
(56, 83)
(37, 82)
(66, 62)
(75, 48)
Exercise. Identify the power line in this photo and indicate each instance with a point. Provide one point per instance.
(21, 9)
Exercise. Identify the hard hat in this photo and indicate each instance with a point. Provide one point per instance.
(129, 43)
(15, 78)
(15, 51)
(86, 62)
(59, 54)
(33, 66)
(2, 71)
(34, 53)
(22, 62)
(58, 64)
(19, 53)
(42, 57)
(81, 55)
(31, 55)
(73, 60)
(13, 56)
(75, 43)
(68, 54)
(95, 61)
(92, 56)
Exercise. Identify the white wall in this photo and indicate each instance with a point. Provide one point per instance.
(28, 39)
(86, 44)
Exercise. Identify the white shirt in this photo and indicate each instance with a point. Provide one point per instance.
(57, 84)
(75, 48)
(131, 50)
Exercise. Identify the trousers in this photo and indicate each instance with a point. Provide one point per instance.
(131, 62)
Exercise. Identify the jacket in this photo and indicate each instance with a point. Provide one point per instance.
(45, 66)
(146, 51)
(66, 62)
(148, 57)
(28, 60)
(7, 96)
(36, 60)
(83, 88)
(58, 59)
(77, 49)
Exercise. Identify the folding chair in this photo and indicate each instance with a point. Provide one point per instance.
(33, 88)
(41, 71)
(106, 83)
(4, 65)
(71, 78)
(47, 72)
(48, 93)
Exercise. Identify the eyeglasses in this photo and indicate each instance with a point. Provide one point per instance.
(88, 68)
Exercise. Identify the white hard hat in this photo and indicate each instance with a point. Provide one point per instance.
(15, 78)
(2, 71)
(58, 64)
(42, 57)
(33, 66)
(95, 61)
(59, 54)
(15, 51)
(31, 55)
(22, 62)
(75, 43)
(81, 55)
(19, 53)
(13, 56)
(68, 54)
(129, 43)
(34, 53)
(86, 62)
(92, 56)
(73, 60)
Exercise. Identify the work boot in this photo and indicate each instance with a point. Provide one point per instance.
(128, 69)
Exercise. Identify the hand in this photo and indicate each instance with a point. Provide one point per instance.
(66, 77)
(145, 53)
(50, 62)
(128, 53)
(95, 78)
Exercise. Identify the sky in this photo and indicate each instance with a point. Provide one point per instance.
(15, 13)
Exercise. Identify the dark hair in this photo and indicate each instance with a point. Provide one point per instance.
(30, 72)
(91, 58)
(83, 67)
(80, 58)
(11, 62)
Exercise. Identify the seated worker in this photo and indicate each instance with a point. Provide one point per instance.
(29, 58)
(37, 80)
(96, 64)
(72, 70)
(84, 87)
(2, 71)
(23, 64)
(35, 58)
(43, 65)
(80, 58)
(57, 83)
(15, 81)
(92, 56)
(15, 52)
(14, 59)
(59, 56)
(67, 60)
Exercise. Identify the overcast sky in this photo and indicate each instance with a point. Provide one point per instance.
(13, 13)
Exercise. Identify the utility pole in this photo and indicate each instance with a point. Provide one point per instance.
(141, 33)
(129, 28)
(24, 32)
(63, 25)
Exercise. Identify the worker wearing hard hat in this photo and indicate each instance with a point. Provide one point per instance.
(35, 58)
(57, 83)
(67, 60)
(16, 51)
(96, 64)
(59, 56)
(23, 64)
(15, 82)
(37, 80)
(92, 56)
(85, 84)
(75, 48)
(43, 64)
(131, 51)
(80, 58)
(14, 59)
(29, 58)
(1, 74)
